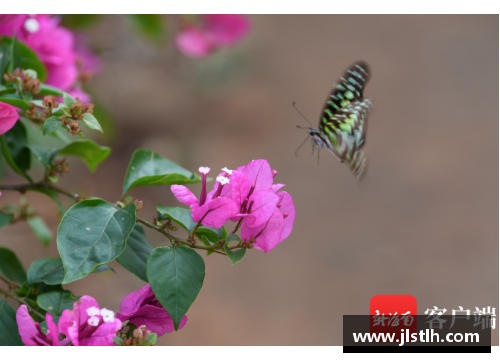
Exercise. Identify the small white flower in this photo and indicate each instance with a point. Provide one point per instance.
(107, 315)
(93, 311)
(93, 321)
(204, 170)
(223, 180)
(229, 172)
(31, 25)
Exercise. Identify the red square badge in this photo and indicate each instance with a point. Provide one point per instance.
(391, 313)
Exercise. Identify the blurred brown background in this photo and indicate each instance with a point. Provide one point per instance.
(425, 222)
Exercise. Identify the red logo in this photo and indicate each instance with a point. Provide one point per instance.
(391, 313)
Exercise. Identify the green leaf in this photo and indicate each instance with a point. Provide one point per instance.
(15, 60)
(90, 152)
(40, 229)
(236, 255)
(43, 154)
(232, 237)
(5, 219)
(15, 140)
(91, 122)
(181, 216)
(212, 234)
(47, 270)
(57, 301)
(103, 268)
(4, 59)
(92, 233)
(16, 102)
(10, 161)
(151, 26)
(52, 124)
(9, 334)
(28, 59)
(79, 20)
(148, 168)
(43, 325)
(68, 100)
(150, 341)
(48, 90)
(11, 267)
(51, 271)
(176, 276)
(136, 253)
(118, 341)
(5, 90)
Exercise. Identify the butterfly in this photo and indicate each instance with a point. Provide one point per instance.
(343, 122)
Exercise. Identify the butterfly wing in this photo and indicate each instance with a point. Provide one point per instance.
(346, 132)
(349, 88)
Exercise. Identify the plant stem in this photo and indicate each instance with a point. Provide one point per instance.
(237, 226)
(190, 242)
(9, 282)
(20, 300)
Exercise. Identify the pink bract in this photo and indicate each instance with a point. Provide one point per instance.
(77, 324)
(55, 46)
(8, 117)
(31, 333)
(142, 308)
(267, 235)
(215, 31)
(193, 42)
(215, 212)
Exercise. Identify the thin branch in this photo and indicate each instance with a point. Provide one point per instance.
(21, 300)
(9, 282)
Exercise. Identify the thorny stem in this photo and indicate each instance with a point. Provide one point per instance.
(21, 300)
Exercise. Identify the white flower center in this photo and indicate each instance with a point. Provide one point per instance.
(31, 25)
(204, 170)
(93, 321)
(93, 311)
(107, 315)
(223, 180)
(228, 171)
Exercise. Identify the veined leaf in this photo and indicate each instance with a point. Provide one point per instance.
(91, 233)
(136, 253)
(148, 168)
(176, 276)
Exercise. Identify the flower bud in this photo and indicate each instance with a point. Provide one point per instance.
(50, 102)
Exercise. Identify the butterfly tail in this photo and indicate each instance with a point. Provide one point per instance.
(358, 164)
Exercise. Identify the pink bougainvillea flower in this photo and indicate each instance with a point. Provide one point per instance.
(266, 214)
(226, 29)
(142, 308)
(276, 229)
(8, 117)
(247, 196)
(193, 42)
(211, 210)
(63, 56)
(31, 333)
(87, 325)
(215, 31)
(267, 235)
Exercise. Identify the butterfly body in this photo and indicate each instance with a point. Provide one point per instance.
(343, 122)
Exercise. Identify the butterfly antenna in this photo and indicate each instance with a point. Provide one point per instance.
(302, 144)
(293, 104)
